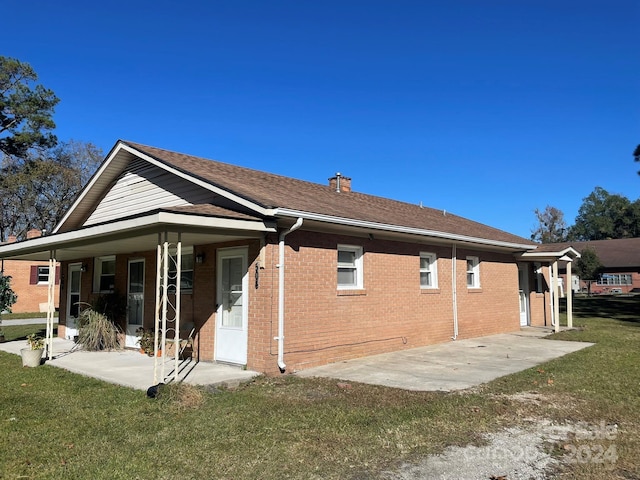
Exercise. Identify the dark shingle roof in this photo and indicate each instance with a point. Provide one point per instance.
(616, 253)
(276, 191)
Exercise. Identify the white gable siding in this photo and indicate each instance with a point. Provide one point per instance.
(143, 187)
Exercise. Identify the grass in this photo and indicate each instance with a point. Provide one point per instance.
(54, 424)
(18, 316)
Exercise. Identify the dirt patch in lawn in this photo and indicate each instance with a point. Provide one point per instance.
(514, 453)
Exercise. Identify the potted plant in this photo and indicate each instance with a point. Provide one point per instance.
(32, 355)
(7, 298)
(145, 340)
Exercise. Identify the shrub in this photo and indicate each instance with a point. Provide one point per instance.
(97, 332)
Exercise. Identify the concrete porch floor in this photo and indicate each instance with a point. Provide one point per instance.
(132, 369)
(454, 365)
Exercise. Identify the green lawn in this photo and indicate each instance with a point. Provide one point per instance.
(54, 424)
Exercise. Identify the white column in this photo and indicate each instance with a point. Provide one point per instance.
(569, 297)
(556, 303)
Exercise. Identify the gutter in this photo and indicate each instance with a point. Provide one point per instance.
(280, 338)
(399, 229)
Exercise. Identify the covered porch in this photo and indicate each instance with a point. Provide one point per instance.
(142, 258)
(130, 369)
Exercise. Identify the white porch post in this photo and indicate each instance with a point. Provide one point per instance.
(164, 308)
(51, 308)
(569, 297)
(556, 297)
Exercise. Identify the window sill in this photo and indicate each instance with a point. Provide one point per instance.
(474, 289)
(429, 291)
(351, 292)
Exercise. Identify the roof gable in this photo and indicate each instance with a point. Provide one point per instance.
(129, 172)
(143, 187)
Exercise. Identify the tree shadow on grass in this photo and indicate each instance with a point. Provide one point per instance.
(626, 309)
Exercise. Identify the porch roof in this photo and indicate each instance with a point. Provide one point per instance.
(197, 225)
(551, 252)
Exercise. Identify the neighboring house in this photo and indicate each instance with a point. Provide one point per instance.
(30, 281)
(280, 274)
(620, 259)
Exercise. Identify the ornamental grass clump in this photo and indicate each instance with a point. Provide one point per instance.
(97, 332)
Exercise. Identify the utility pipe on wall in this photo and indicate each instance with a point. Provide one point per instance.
(454, 291)
(281, 365)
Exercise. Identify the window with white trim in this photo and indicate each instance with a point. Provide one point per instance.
(43, 275)
(349, 267)
(473, 272)
(104, 274)
(428, 270)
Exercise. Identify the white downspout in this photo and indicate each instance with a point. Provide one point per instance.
(280, 338)
(454, 291)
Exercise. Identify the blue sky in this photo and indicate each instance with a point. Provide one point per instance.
(486, 108)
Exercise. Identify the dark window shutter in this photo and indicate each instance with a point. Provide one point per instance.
(58, 275)
(33, 278)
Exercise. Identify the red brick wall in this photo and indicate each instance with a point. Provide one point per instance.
(324, 324)
(392, 312)
(29, 296)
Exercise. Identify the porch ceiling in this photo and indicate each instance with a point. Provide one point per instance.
(135, 235)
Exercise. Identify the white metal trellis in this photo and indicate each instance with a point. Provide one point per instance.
(167, 313)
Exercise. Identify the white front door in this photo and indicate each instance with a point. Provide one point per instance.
(231, 318)
(135, 301)
(73, 301)
(523, 280)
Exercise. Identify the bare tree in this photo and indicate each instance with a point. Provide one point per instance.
(551, 226)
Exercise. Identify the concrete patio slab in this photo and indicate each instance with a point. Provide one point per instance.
(455, 365)
(132, 369)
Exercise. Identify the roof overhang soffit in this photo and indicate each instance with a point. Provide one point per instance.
(116, 162)
(141, 232)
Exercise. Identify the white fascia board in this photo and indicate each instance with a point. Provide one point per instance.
(204, 184)
(159, 219)
(398, 229)
(569, 251)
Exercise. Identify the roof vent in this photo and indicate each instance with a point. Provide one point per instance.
(340, 183)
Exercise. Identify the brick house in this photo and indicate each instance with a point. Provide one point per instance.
(621, 265)
(29, 281)
(280, 274)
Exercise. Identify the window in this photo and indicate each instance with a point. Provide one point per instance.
(43, 274)
(473, 272)
(39, 275)
(615, 279)
(428, 270)
(186, 271)
(349, 267)
(104, 279)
